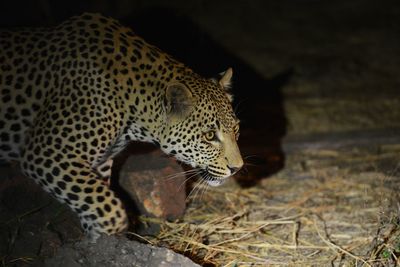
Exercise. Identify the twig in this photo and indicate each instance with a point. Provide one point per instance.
(336, 247)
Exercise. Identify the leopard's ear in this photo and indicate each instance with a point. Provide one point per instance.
(178, 101)
(226, 79)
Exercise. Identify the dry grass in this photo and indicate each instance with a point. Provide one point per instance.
(335, 208)
(322, 115)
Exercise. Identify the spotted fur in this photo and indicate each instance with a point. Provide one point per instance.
(73, 96)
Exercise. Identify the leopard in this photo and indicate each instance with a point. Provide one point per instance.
(74, 95)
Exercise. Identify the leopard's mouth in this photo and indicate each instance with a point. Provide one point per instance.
(211, 179)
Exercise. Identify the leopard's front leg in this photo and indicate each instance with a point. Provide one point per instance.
(68, 176)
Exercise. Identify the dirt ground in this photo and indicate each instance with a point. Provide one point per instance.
(317, 88)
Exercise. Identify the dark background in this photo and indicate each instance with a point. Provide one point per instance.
(317, 88)
(334, 64)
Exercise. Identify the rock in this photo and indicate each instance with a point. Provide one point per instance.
(152, 182)
(112, 251)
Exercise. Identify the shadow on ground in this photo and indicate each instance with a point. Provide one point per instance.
(258, 101)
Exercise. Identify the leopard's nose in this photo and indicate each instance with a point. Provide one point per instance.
(234, 169)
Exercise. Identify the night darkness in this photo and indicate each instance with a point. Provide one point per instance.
(316, 86)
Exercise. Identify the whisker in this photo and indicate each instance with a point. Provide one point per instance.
(244, 169)
(236, 109)
(172, 176)
(198, 189)
(201, 189)
(250, 156)
(192, 191)
(204, 190)
(188, 178)
(250, 164)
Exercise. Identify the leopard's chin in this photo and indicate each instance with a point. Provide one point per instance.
(216, 181)
(212, 180)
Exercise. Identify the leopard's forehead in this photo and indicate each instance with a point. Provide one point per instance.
(213, 103)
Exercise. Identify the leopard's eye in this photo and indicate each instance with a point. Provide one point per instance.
(210, 136)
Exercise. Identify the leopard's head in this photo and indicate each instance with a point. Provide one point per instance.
(201, 128)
